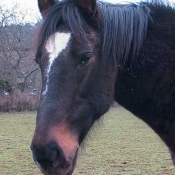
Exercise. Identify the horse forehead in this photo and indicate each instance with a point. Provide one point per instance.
(56, 43)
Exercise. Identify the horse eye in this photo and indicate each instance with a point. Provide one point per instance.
(36, 60)
(84, 59)
(37, 56)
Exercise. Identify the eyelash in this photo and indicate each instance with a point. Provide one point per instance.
(85, 58)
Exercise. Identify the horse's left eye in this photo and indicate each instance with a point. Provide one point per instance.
(36, 60)
(84, 59)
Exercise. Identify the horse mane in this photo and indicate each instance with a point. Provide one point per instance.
(123, 27)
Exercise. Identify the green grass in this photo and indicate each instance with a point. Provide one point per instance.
(119, 144)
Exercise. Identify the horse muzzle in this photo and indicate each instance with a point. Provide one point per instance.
(52, 160)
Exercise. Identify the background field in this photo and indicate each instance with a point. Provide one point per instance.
(119, 144)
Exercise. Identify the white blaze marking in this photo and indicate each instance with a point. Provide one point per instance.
(54, 46)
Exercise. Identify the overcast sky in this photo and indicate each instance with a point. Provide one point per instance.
(32, 4)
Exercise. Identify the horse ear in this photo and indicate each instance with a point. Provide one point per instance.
(44, 5)
(89, 9)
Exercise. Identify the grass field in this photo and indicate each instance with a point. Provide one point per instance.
(119, 144)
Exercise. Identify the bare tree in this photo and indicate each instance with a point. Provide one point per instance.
(18, 69)
(15, 42)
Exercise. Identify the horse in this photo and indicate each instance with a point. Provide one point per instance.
(93, 53)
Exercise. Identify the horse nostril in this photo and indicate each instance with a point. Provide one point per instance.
(56, 158)
(54, 154)
(44, 164)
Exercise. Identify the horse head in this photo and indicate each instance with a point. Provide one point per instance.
(77, 88)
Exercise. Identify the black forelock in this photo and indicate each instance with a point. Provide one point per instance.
(67, 13)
